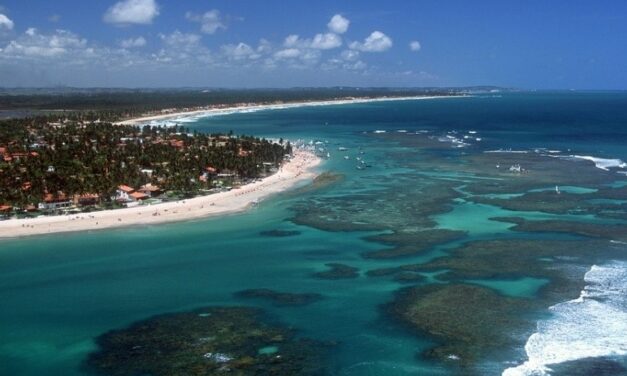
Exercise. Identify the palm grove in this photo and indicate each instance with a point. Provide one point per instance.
(57, 156)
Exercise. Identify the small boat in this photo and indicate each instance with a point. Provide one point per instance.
(342, 148)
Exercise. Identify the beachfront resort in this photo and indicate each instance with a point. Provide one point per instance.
(56, 165)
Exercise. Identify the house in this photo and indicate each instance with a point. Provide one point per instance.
(123, 193)
(5, 210)
(55, 202)
(150, 190)
(87, 199)
(138, 196)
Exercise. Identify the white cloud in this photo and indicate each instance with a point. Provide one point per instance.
(54, 18)
(132, 12)
(288, 53)
(264, 46)
(239, 51)
(320, 42)
(34, 44)
(414, 45)
(133, 42)
(350, 55)
(178, 39)
(376, 42)
(5, 22)
(338, 24)
(292, 41)
(182, 49)
(210, 21)
(326, 41)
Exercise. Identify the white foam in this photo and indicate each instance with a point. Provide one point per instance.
(602, 163)
(593, 325)
(510, 151)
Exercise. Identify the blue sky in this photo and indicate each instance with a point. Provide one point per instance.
(236, 43)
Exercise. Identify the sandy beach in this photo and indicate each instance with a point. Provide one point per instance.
(298, 169)
(263, 107)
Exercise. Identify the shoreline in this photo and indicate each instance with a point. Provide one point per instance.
(212, 111)
(298, 169)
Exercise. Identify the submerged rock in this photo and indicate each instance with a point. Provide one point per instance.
(411, 244)
(279, 233)
(208, 341)
(280, 298)
(338, 271)
(469, 322)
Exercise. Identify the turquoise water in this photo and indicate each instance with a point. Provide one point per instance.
(58, 293)
(526, 287)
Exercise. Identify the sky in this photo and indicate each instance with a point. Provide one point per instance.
(533, 44)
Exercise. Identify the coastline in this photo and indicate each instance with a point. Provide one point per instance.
(262, 107)
(298, 169)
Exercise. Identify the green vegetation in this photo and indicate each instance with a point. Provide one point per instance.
(44, 161)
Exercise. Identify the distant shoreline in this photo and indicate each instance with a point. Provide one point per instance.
(253, 107)
(298, 169)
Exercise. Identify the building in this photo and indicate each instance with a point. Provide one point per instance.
(55, 202)
(87, 199)
(150, 190)
(5, 210)
(123, 193)
(138, 196)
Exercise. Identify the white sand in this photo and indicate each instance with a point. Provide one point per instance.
(298, 169)
(259, 107)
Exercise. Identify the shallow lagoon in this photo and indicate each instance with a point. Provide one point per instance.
(59, 293)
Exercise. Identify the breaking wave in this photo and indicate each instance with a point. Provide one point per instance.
(593, 325)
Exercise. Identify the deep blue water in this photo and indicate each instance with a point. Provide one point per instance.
(58, 293)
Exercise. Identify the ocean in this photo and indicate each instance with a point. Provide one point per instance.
(483, 235)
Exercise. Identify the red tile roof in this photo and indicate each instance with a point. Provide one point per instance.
(126, 188)
(138, 196)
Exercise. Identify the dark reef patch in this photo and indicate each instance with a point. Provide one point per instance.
(338, 271)
(594, 230)
(469, 322)
(411, 244)
(589, 367)
(408, 205)
(322, 181)
(208, 341)
(280, 298)
(279, 233)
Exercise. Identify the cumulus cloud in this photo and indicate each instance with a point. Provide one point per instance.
(288, 53)
(350, 55)
(210, 21)
(36, 45)
(128, 12)
(133, 42)
(338, 24)
(319, 42)
(414, 45)
(375, 42)
(5, 22)
(326, 41)
(240, 51)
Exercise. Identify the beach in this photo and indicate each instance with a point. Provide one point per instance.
(298, 169)
(262, 107)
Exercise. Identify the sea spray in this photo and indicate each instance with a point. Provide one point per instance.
(591, 326)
